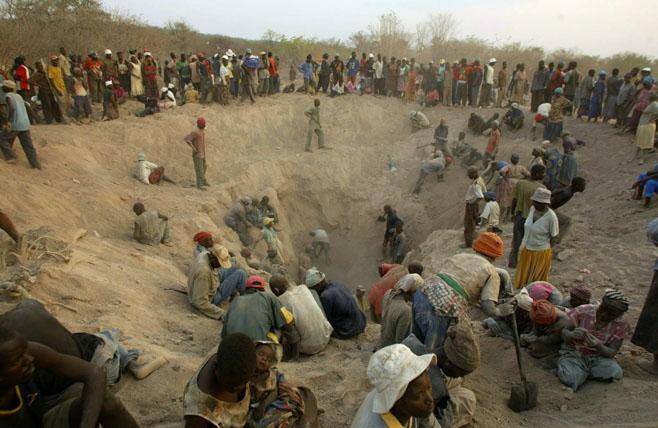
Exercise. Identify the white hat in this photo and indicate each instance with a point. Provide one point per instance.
(648, 69)
(225, 57)
(171, 86)
(314, 277)
(230, 53)
(523, 300)
(390, 371)
(515, 105)
(147, 53)
(108, 52)
(542, 195)
(492, 60)
(108, 83)
(371, 55)
(164, 89)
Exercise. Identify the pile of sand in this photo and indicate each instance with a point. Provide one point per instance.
(255, 150)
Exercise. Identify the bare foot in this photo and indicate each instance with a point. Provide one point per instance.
(141, 371)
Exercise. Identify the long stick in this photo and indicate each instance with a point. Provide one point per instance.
(517, 347)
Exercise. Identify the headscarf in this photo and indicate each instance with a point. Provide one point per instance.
(489, 244)
(490, 195)
(268, 221)
(462, 347)
(222, 255)
(202, 236)
(615, 299)
(581, 292)
(652, 231)
(543, 312)
(408, 283)
(540, 290)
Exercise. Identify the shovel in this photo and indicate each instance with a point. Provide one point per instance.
(523, 396)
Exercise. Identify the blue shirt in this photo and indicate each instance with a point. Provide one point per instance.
(19, 120)
(429, 328)
(353, 66)
(342, 311)
(307, 69)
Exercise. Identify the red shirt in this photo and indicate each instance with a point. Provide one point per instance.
(585, 317)
(494, 141)
(198, 140)
(22, 74)
(382, 285)
(272, 68)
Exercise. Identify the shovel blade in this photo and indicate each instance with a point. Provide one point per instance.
(523, 397)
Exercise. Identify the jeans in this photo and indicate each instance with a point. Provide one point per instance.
(574, 368)
(7, 141)
(231, 280)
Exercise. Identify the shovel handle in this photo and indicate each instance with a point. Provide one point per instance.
(517, 347)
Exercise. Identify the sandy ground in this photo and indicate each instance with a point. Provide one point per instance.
(113, 282)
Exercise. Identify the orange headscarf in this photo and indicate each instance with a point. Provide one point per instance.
(489, 244)
(543, 312)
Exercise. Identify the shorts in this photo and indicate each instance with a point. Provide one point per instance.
(58, 416)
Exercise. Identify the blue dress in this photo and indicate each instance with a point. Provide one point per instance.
(596, 102)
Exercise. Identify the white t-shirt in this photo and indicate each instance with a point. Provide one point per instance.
(538, 234)
(313, 327)
(491, 213)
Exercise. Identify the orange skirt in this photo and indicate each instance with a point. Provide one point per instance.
(532, 266)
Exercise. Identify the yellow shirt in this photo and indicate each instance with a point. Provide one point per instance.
(56, 76)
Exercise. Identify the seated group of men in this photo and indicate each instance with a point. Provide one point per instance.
(426, 344)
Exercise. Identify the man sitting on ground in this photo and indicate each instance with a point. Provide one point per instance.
(476, 124)
(261, 316)
(578, 296)
(402, 389)
(148, 172)
(396, 316)
(418, 120)
(151, 227)
(339, 305)
(313, 327)
(389, 275)
(202, 284)
(546, 337)
(218, 394)
(24, 404)
(514, 118)
(592, 340)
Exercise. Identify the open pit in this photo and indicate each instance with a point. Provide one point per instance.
(254, 150)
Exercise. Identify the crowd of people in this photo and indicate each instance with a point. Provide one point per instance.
(268, 314)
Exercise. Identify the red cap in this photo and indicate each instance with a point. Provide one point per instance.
(256, 282)
(202, 236)
(201, 122)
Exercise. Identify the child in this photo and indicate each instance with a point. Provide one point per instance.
(274, 401)
(110, 107)
(81, 103)
(490, 214)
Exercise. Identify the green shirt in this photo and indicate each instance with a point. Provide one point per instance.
(523, 194)
(255, 315)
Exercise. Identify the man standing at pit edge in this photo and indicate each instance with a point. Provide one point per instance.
(197, 141)
(313, 114)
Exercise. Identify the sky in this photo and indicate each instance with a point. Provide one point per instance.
(597, 27)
